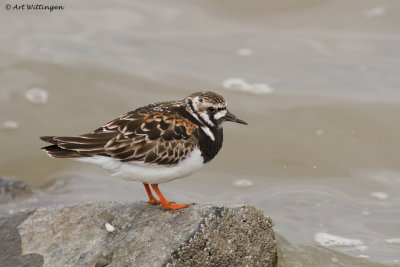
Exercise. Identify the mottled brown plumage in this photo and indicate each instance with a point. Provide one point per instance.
(152, 134)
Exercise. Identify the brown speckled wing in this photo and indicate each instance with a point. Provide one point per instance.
(145, 135)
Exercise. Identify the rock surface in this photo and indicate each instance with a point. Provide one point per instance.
(138, 234)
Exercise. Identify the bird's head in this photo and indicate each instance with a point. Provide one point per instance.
(210, 109)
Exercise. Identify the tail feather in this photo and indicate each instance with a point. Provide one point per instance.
(77, 147)
(55, 151)
(49, 139)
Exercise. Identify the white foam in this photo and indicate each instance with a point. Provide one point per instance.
(10, 125)
(245, 52)
(361, 248)
(109, 227)
(363, 256)
(375, 12)
(37, 96)
(328, 240)
(238, 84)
(243, 183)
(379, 195)
(393, 241)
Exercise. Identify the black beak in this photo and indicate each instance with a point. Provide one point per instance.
(230, 117)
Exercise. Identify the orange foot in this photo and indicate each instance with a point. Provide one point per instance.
(173, 206)
(154, 201)
(165, 203)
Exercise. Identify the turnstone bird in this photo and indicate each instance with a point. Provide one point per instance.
(153, 144)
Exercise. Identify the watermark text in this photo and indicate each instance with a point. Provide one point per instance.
(34, 7)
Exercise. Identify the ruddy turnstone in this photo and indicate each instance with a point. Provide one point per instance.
(153, 144)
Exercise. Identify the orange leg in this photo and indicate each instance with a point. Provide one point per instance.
(165, 203)
(152, 199)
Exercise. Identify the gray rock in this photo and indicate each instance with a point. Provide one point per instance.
(143, 235)
(11, 246)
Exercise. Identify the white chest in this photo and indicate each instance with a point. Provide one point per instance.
(149, 173)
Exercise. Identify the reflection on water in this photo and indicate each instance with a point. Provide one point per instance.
(320, 154)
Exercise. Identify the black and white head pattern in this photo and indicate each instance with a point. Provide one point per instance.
(209, 109)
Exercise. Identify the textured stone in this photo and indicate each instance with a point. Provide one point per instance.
(230, 237)
(11, 246)
(144, 235)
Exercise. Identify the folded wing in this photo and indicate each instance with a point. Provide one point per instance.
(151, 138)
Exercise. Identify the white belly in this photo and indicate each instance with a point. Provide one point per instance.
(148, 173)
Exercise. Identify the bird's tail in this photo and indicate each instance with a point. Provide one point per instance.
(55, 151)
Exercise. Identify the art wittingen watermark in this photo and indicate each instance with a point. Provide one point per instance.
(34, 7)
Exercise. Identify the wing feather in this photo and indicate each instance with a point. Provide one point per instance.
(151, 137)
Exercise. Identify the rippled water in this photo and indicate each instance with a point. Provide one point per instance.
(320, 154)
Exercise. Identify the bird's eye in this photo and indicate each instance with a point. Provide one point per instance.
(211, 109)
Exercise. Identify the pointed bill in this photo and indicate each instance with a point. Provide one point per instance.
(230, 117)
